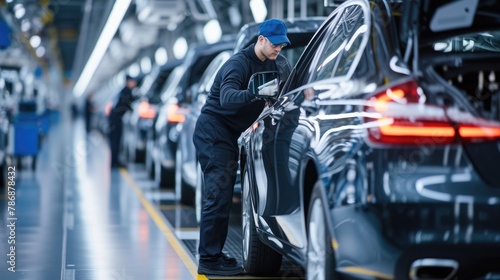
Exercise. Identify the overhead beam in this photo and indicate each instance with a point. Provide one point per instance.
(120, 7)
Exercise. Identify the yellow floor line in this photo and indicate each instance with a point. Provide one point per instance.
(249, 278)
(187, 229)
(165, 229)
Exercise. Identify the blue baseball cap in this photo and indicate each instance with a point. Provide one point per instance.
(275, 31)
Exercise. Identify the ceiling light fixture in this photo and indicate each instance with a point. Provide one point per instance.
(134, 70)
(180, 47)
(258, 9)
(212, 31)
(109, 30)
(146, 65)
(19, 11)
(25, 25)
(40, 51)
(161, 56)
(35, 41)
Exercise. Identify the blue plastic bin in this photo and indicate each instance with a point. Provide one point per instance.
(26, 134)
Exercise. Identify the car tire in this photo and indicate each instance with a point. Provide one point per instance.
(183, 191)
(150, 156)
(320, 254)
(139, 155)
(258, 258)
(149, 164)
(163, 177)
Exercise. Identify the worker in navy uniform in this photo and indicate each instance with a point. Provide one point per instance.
(89, 111)
(230, 108)
(121, 105)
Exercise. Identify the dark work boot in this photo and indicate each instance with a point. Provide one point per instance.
(228, 260)
(220, 267)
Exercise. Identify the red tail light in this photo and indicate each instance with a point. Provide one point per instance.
(107, 110)
(174, 114)
(481, 133)
(405, 118)
(146, 111)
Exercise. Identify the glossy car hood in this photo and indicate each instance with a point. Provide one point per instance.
(441, 19)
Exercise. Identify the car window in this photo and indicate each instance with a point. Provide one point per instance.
(172, 82)
(292, 54)
(327, 58)
(355, 25)
(342, 46)
(208, 77)
(484, 41)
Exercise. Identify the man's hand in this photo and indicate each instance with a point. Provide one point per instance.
(269, 89)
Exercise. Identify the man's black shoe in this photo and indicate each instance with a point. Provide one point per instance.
(219, 268)
(228, 260)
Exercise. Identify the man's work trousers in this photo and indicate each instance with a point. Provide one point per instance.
(217, 152)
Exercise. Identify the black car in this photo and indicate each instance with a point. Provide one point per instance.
(140, 121)
(178, 92)
(187, 172)
(379, 158)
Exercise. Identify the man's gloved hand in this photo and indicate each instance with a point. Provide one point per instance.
(269, 89)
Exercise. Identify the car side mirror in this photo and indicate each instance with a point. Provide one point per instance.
(263, 79)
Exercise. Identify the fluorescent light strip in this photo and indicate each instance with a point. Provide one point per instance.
(109, 30)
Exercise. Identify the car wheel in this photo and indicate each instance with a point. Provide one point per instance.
(158, 170)
(320, 255)
(139, 155)
(149, 163)
(125, 153)
(258, 258)
(183, 192)
(163, 177)
(199, 192)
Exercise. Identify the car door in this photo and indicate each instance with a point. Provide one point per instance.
(310, 122)
(275, 201)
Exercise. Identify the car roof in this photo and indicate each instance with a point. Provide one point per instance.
(202, 49)
(296, 27)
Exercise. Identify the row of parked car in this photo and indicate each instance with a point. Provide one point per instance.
(378, 158)
(159, 129)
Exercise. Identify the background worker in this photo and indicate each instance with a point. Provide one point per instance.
(122, 104)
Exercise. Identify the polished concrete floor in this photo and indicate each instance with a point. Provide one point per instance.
(76, 218)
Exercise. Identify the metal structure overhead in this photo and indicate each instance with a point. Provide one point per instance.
(70, 29)
(67, 18)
